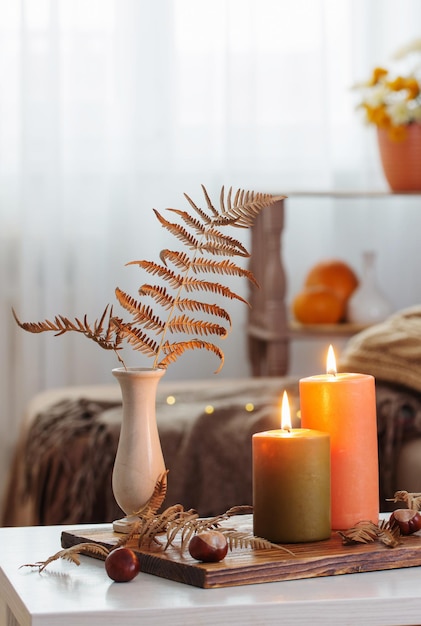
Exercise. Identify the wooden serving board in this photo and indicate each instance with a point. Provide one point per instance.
(248, 566)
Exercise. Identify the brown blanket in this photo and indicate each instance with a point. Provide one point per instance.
(62, 469)
(61, 472)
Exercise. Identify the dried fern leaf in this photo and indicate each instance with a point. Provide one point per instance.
(362, 532)
(137, 338)
(141, 313)
(222, 267)
(197, 305)
(193, 284)
(157, 498)
(412, 500)
(184, 324)
(389, 534)
(245, 207)
(177, 258)
(222, 249)
(191, 222)
(205, 217)
(159, 294)
(219, 239)
(179, 232)
(204, 237)
(174, 350)
(163, 272)
(241, 509)
(62, 325)
(237, 539)
(72, 554)
(208, 202)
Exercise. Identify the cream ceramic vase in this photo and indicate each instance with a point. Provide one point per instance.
(139, 460)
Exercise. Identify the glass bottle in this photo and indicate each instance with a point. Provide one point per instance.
(368, 304)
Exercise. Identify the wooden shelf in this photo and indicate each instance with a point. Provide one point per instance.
(296, 329)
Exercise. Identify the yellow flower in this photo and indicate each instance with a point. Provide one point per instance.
(413, 88)
(397, 84)
(377, 115)
(378, 74)
(391, 98)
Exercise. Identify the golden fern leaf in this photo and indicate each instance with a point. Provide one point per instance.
(138, 339)
(205, 217)
(179, 232)
(162, 271)
(389, 534)
(204, 237)
(72, 554)
(184, 324)
(159, 294)
(216, 238)
(175, 350)
(62, 325)
(412, 500)
(237, 539)
(362, 532)
(141, 313)
(221, 249)
(191, 284)
(209, 203)
(191, 222)
(160, 523)
(222, 267)
(245, 207)
(211, 309)
(179, 259)
(157, 498)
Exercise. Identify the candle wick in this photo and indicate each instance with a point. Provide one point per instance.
(332, 372)
(287, 428)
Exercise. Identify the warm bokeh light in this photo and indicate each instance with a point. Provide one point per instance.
(285, 413)
(331, 362)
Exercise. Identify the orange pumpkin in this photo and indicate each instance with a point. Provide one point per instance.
(318, 305)
(333, 274)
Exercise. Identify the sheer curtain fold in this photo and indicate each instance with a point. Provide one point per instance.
(109, 108)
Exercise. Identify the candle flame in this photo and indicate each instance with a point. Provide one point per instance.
(331, 362)
(285, 413)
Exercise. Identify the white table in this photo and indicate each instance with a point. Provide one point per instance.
(67, 595)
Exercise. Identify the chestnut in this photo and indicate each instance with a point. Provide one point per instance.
(122, 565)
(208, 546)
(408, 520)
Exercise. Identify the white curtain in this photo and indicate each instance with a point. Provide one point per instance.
(109, 108)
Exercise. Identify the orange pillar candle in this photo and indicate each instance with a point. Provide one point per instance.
(344, 405)
(291, 483)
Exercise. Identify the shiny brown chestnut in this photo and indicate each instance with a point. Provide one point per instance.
(209, 546)
(122, 565)
(408, 520)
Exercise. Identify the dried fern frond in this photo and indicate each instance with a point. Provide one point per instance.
(389, 534)
(205, 238)
(412, 500)
(157, 498)
(367, 532)
(362, 532)
(72, 554)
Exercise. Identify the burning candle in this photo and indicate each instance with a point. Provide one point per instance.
(291, 483)
(344, 405)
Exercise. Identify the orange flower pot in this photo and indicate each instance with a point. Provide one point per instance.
(401, 160)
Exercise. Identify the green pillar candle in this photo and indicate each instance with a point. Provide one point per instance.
(291, 485)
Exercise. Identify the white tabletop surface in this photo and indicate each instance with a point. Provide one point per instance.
(68, 595)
